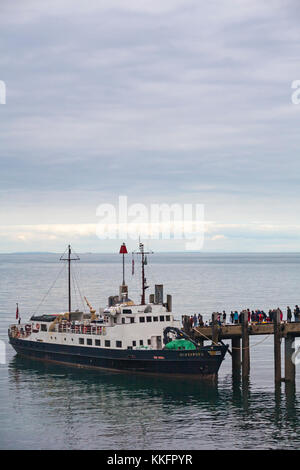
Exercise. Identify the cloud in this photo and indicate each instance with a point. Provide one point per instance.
(53, 237)
(164, 101)
(218, 237)
(35, 11)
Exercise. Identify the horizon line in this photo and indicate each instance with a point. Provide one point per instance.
(163, 252)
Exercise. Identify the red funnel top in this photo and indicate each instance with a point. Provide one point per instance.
(123, 249)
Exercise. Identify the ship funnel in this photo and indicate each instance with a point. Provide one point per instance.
(159, 293)
(169, 303)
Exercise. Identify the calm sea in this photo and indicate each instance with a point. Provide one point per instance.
(46, 406)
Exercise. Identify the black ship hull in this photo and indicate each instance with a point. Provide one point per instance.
(200, 363)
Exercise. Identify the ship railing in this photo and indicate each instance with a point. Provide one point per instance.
(20, 331)
(81, 329)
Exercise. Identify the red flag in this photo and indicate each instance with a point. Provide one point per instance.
(17, 312)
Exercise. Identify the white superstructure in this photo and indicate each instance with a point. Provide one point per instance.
(122, 326)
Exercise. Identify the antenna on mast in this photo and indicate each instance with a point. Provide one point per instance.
(69, 259)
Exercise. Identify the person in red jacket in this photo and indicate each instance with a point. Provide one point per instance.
(281, 315)
(249, 315)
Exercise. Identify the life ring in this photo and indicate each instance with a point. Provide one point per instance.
(37, 326)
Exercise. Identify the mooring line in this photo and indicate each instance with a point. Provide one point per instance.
(247, 347)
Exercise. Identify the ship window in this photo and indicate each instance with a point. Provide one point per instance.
(162, 318)
(115, 320)
(81, 340)
(142, 319)
(168, 318)
(141, 342)
(118, 344)
(97, 342)
(126, 310)
(155, 318)
(149, 341)
(89, 341)
(107, 343)
(123, 320)
(131, 320)
(149, 319)
(43, 327)
(133, 343)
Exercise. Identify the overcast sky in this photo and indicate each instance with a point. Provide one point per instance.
(162, 101)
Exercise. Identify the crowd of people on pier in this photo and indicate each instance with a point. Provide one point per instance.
(235, 317)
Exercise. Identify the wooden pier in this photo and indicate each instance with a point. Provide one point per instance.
(240, 347)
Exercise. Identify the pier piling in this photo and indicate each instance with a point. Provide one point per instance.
(215, 328)
(277, 348)
(245, 346)
(289, 366)
(236, 356)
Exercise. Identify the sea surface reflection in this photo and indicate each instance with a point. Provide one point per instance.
(59, 407)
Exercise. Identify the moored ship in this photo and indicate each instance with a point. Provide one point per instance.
(124, 336)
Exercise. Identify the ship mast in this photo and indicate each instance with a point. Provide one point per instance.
(123, 289)
(142, 252)
(69, 259)
(123, 251)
